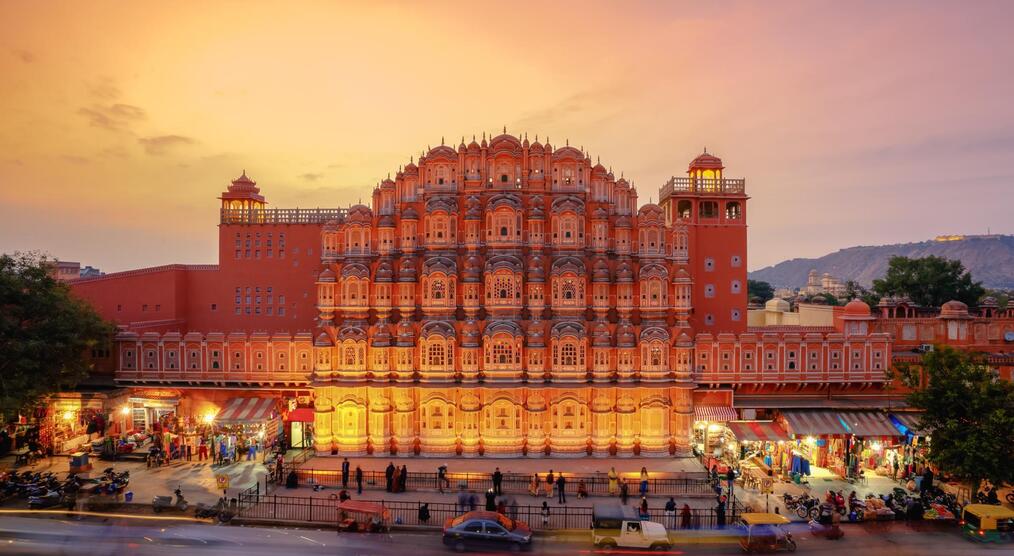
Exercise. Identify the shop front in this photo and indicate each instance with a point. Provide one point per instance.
(763, 448)
(712, 439)
(299, 427)
(844, 443)
(151, 410)
(246, 426)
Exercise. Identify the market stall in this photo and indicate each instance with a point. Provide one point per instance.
(762, 450)
(299, 427)
(711, 437)
(246, 422)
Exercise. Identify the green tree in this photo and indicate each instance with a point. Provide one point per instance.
(760, 290)
(45, 333)
(969, 411)
(855, 290)
(929, 281)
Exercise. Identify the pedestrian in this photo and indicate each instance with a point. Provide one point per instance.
(473, 502)
(533, 487)
(561, 487)
(582, 489)
(403, 486)
(670, 511)
(720, 513)
(389, 476)
(514, 508)
(730, 479)
(927, 480)
(345, 472)
(279, 468)
(497, 481)
(644, 481)
(214, 450)
(251, 451)
(490, 501)
(550, 484)
(545, 514)
(644, 508)
(190, 448)
(897, 467)
(202, 449)
(442, 480)
(396, 480)
(424, 513)
(501, 506)
(624, 493)
(685, 517)
(463, 500)
(614, 485)
(359, 480)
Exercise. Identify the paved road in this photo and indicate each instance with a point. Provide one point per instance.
(101, 536)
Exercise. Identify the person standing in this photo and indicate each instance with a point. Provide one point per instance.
(533, 487)
(396, 480)
(550, 484)
(644, 508)
(720, 513)
(670, 511)
(490, 501)
(359, 480)
(202, 449)
(644, 481)
(614, 485)
(463, 500)
(345, 472)
(442, 480)
(927, 480)
(190, 449)
(473, 502)
(514, 508)
(389, 476)
(730, 479)
(561, 487)
(624, 493)
(497, 481)
(545, 514)
(685, 517)
(403, 486)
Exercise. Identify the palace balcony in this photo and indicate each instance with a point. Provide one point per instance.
(702, 186)
(282, 216)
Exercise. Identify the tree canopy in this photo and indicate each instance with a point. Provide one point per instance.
(929, 281)
(760, 290)
(45, 333)
(969, 412)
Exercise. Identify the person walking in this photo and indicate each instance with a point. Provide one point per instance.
(550, 484)
(202, 449)
(473, 502)
(514, 509)
(442, 480)
(644, 508)
(490, 501)
(463, 500)
(561, 487)
(545, 514)
(644, 481)
(614, 484)
(497, 482)
(389, 476)
(424, 513)
(345, 472)
(190, 449)
(359, 480)
(403, 486)
(624, 493)
(533, 487)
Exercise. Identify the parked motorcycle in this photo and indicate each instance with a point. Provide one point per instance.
(48, 500)
(219, 511)
(160, 503)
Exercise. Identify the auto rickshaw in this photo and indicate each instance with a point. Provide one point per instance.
(987, 523)
(359, 516)
(762, 532)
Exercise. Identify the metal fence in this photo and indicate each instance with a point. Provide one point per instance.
(253, 505)
(597, 484)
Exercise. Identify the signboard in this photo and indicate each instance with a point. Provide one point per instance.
(222, 481)
(767, 485)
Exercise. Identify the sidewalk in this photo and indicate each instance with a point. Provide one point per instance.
(682, 467)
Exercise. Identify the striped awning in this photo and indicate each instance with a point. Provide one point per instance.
(907, 423)
(246, 411)
(716, 413)
(814, 423)
(868, 423)
(757, 430)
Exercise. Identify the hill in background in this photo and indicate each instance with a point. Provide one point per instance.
(990, 259)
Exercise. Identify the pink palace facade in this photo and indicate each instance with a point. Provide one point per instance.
(500, 298)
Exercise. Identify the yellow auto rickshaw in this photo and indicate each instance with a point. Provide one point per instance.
(987, 523)
(763, 532)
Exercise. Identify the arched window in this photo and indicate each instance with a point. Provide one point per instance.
(684, 210)
(568, 354)
(350, 356)
(437, 289)
(436, 355)
(733, 210)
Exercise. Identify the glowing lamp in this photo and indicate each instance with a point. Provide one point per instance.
(811, 440)
(877, 447)
(208, 418)
(125, 410)
(68, 415)
(714, 427)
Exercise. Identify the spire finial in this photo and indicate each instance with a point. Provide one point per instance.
(411, 160)
(568, 141)
(483, 135)
(441, 140)
(705, 150)
(505, 130)
(598, 159)
(526, 136)
(473, 137)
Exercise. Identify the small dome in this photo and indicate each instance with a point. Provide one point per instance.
(409, 214)
(953, 309)
(625, 335)
(601, 271)
(407, 271)
(623, 272)
(535, 271)
(323, 340)
(989, 302)
(857, 308)
(381, 335)
(386, 221)
(327, 276)
(706, 161)
(777, 304)
(384, 271)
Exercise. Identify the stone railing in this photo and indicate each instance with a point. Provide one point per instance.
(702, 186)
(282, 216)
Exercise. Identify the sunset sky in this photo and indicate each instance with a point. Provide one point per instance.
(854, 123)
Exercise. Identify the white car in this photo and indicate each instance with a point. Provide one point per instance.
(614, 526)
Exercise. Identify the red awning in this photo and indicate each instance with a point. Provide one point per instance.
(300, 414)
(716, 413)
(246, 411)
(868, 424)
(815, 423)
(757, 430)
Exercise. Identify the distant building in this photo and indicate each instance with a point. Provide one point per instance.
(818, 285)
(68, 271)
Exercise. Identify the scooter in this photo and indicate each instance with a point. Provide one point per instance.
(160, 503)
(47, 500)
(219, 511)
